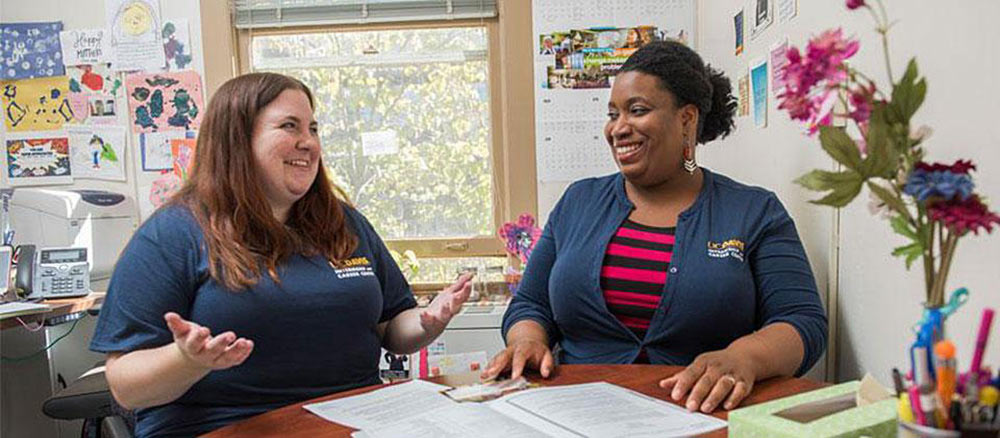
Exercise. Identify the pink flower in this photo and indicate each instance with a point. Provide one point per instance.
(520, 237)
(964, 216)
(854, 4)
(826, 55)
(823, 66)
(823, 115)
(861, 103)
(799, 106)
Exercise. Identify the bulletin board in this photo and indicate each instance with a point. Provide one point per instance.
(569, 122)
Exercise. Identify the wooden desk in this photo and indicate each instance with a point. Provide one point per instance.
(57, 307)
(294, 421)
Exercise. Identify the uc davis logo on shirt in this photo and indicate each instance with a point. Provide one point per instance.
(730, 248)
(355, 267)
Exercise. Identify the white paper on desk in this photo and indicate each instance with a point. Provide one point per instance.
(19, 307)
(601, 410)
(384, 406)
(457, 420)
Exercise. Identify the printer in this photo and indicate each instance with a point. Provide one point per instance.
(101, 221)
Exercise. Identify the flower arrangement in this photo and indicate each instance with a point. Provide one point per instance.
(932, 205)
(520, 237)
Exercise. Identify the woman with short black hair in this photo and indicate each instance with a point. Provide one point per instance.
(666, 262)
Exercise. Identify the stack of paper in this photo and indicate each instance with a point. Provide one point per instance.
(417, 409)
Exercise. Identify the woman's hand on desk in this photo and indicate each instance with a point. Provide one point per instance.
(446, 304)
(715, 378)
(199, 347)
(517, 355)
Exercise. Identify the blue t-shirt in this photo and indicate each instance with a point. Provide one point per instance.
(314, 333)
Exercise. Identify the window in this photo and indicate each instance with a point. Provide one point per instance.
(407, 120)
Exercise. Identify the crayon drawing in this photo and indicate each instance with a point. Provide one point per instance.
(35, 104)
(164, 101)
(38, 158)
(30, 50)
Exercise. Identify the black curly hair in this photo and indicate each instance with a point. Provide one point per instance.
(685, 75)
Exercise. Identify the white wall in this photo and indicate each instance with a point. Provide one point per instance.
(956, 48)
(878, 299)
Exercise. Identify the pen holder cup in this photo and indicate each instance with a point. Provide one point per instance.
(909, 430)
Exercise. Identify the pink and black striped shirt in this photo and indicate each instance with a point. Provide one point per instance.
(634, 272)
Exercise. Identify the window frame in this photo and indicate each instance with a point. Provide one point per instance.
(503, 190)
(511, 57)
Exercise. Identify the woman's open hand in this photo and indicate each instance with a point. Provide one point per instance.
(715, 378)
(199, 347)
(446, 304)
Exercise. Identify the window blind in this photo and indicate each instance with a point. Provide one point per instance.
(248, 14)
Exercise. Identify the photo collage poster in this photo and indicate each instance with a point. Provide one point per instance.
(579, 46)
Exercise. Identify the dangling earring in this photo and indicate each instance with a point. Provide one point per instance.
(689, 164)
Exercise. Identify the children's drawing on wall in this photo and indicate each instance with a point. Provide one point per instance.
(86, 46)
(30, 50)
(182, 155)
(165, 159)
(164, 101)
(176, 45)
(35, 104)
(97, 152)
(38, 158)
(135, 34)
(163, 188)
(154, 148)
(95, 93)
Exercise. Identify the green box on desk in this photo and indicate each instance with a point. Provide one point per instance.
(847, 421)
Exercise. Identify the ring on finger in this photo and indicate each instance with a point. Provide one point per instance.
(728, 377)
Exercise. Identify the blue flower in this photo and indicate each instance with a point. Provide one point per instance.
(944, 184)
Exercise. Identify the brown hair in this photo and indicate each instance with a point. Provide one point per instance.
(225, 196)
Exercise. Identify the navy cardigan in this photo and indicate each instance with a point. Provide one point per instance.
(737, 266)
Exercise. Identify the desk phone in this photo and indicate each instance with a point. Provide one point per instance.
(61, 273)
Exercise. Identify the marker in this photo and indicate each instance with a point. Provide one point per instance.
(984, 335)
(904, 410)
(918, 412)
(944, 351)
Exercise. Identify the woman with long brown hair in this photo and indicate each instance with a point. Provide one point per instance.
(260, 249)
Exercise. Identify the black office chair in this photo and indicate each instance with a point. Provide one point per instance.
(88, 398)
